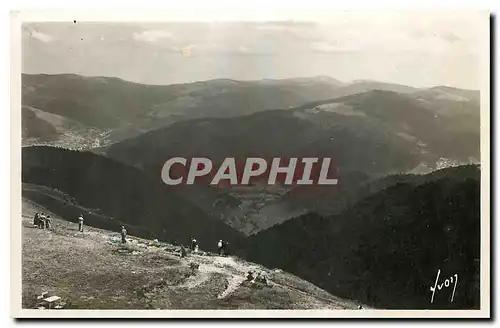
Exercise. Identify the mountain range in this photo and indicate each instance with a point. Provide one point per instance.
(118, 109)
(407, 202)
(368, 135)
(126, 109)
(369, 128)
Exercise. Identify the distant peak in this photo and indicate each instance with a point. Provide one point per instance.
(316, 78)
(364, 81)
(327, 78)
(221, 80)
(448, 88)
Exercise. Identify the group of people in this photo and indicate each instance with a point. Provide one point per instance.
(221, 247)
(123, 231)
(256, 276)
(42, 220)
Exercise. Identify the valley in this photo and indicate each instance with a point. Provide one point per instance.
(408, 170)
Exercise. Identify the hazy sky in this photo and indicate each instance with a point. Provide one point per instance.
(418, 49)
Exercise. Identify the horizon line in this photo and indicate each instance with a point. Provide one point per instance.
(343, 83)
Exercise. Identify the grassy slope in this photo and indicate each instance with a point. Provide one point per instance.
(90, 272)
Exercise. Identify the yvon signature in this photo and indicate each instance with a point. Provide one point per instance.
(453, 280)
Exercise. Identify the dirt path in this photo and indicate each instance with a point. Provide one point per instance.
(196, 280)
(233, 284)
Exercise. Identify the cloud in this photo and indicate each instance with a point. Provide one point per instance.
(327, 47)
(450, 37)
(284, 25)
(188, 50)
(220, 49)
(152, 36)
(322, 46)
(42, 36)
(245, 50)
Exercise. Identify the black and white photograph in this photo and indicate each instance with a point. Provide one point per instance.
(336, 167)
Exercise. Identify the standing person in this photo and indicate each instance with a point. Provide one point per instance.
(194, 244)
(35, 220)
(220, 247)
(124, 235)
(183, 251)
(48, 222)
(225, 248)
(80, 223)
(41, 221)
